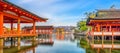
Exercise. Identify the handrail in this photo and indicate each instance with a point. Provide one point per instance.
(105, 33)
(15, 33)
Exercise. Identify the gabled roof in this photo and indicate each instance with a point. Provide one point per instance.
(106, 15)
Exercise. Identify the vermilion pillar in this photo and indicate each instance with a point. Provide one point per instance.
(18, 30)
(11, 25)
(110, 28)
(34, 28)
(98, 28)
(12, 33)
(34, 32)
(18, 26)
(1, 24)
(1, 32)
(112, 39)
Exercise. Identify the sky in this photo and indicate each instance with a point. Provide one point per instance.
(64, 12)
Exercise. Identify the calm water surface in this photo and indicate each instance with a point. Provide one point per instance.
(60, 46)
(66, 44)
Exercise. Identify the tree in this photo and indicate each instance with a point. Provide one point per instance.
(82, 26)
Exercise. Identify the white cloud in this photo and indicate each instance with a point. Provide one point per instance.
(51, 9)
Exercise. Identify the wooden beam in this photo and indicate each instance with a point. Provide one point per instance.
(16, 17)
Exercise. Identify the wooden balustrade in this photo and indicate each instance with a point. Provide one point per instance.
(105, 33)
(15, 33)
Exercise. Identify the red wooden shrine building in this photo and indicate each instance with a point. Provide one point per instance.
(11, 14)
(105, 29)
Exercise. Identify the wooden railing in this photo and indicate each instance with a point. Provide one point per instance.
(105, 33)
(15, 33)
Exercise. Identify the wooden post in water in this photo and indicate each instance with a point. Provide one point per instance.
(12, 43)
(110, 50)
(33, 50)
(18, 43)
(34, 41)
(18, 30)
(98, 51)
(12, 39)
(1, 45)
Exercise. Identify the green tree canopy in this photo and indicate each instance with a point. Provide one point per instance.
(82, 26)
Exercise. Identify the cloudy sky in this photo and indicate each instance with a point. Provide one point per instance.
(64, 12)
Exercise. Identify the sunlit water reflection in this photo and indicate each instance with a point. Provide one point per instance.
(66, 44)
(60, 46)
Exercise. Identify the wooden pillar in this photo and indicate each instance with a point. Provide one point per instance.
(92, 37)
(18, 26)
(112, 39)
(18, 30)
(110, 50)
(33, 50)
(11, 25)
(102, 39)
(93, 29)
(34, 28)
(98, 51)
(98, 27)
(12, 40)
(1, 45)
(1, 32)
(34, 40)
(110, 28)
(1, 24)
(50, 35)
(18, 43)
(106, 28)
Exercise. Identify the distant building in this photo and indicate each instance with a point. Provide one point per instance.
(65, 29)
(40, 29)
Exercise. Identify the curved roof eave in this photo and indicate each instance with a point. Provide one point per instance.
(24, 10)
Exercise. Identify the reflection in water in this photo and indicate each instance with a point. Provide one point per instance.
(60, 37)
(61, 44)
(30, 49)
